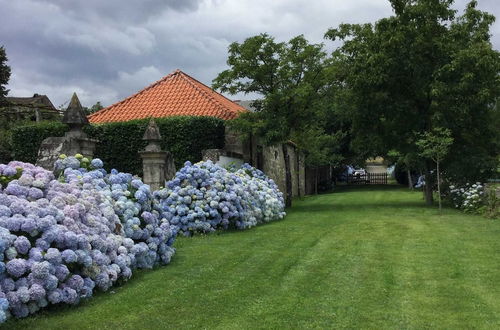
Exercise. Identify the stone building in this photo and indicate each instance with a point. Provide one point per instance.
(179, 94)
(35, 108)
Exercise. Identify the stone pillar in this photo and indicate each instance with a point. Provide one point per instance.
(169, 167)
(154, 160)
(153, 168)
(75, 141)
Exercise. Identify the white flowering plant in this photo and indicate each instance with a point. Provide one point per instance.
(468, 197)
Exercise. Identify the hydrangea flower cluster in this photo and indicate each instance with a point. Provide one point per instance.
(9, 173)
(468, 197)
(204, 197)
(63, 237)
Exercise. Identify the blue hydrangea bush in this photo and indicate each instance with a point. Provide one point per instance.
(205, 197)
(66, 233)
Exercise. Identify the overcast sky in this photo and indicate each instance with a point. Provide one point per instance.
(106, 50)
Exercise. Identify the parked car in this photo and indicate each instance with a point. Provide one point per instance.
(359, 172)
(359, 175)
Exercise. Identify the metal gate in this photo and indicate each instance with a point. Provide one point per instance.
(368, 178)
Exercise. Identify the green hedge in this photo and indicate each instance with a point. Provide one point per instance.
(184, 137)
(26, 140)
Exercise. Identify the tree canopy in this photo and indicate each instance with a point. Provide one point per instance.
(422, 68)
(288, 75)
(4, 75)
(291, 79)
(96, 107)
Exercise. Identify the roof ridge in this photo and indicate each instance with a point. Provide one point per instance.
(210, 97)
(175, 94)
(102, 111)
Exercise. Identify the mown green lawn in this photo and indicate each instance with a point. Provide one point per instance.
(370, 257)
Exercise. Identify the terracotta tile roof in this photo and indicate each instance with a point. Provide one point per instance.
(177, 94)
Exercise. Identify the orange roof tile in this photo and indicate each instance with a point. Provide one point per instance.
(177, 94)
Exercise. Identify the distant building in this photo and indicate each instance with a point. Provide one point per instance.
(376, 165)
(247, 104)
(35, 108)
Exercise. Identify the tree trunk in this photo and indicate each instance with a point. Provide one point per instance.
(439, 186)
(288, 177)
(297, 155)
(316, 181)
(410, 182)
(429, 200)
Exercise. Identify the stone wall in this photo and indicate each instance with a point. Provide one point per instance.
(297, 170)
(273, 164)
(269, 159)
(302, 174)
(212, 154)
(294, 169)
(235, 146)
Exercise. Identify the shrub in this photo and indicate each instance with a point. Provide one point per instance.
(205, 197)
(26, 140)
(476, 198)
(5, 145)
(469, 198)
(62, 236)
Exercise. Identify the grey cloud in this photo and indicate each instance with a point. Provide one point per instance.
(130, 10)
(106, 50)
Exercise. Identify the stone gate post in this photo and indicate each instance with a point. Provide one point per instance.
(154, 160)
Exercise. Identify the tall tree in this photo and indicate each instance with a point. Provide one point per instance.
(422, 68)
(96, 107)
(289, 76)
(4, 75)
(435, 146)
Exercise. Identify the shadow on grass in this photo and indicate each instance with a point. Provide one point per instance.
(370, 187)
(359, 206)
(314, 203)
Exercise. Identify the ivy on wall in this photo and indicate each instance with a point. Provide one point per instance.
(184, 136)
(26, 139)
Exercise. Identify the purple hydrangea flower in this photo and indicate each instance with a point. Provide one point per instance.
(24, 294)
(96, 163)
(55, 296)
(22, 245)
(53, 256)
(16, 267)
(9, 171)
(41, 270)
(37, 292)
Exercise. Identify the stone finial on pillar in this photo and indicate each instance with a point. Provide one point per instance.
(153, 136)
(75, 141)
(75, 118)
(153, 158)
